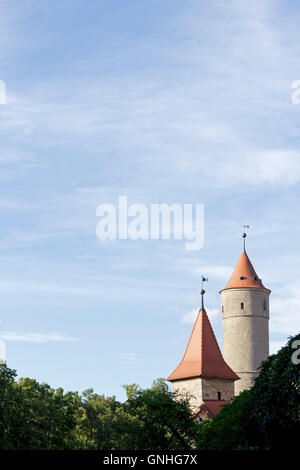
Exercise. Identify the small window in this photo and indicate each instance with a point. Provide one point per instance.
(254, 278)
(265, 304)
(219, 395)
(242, 278)
(222, 308)
(242, 306)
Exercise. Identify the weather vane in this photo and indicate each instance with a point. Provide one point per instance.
(202, 292)
(244, 234)
(203, 279)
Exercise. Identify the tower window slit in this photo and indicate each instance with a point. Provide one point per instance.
(242, 306)
(265, 304)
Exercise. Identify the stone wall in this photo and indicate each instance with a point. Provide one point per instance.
(211, 387)
(197, 390)
(245, 332)
(191, 388)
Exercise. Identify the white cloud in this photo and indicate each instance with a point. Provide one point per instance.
(223, 119)
(34, 337)
(277, 166)
(35, 286)
(127, 358)
(191, 315)
(176, 121)
(217, 272)
(276, 345)
(285, 312)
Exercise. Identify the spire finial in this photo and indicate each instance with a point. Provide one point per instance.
(202, 292)
(244, 235)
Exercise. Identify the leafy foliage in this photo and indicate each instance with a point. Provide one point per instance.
(35, 416)
(276, 400)
(229, 430)
(265, 417)
(164, 423)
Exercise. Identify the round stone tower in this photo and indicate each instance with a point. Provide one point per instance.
(245, 319)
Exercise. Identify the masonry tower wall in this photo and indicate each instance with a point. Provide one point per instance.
(245, 319)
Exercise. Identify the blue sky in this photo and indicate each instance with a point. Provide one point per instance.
(165, 102)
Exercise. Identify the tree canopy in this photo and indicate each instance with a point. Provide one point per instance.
(35, 416)
(265, 417)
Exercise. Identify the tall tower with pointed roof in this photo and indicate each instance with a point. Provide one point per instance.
(245, 319)
(202, 373)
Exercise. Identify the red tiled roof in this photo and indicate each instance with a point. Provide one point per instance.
(212, 407)
(244, 275)
(202, 357)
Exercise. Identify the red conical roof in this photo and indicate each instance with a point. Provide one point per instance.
(202, 357)
(244, 275)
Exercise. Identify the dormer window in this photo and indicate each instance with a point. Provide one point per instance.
(242, 278)
(254, 278)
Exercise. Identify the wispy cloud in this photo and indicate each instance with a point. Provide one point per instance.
(285, 311)
(34, 337)
(127, 358)
(204, 117)
(191, 315)
(278, 166)
(276, 345)
(217, 272)
(36, 286)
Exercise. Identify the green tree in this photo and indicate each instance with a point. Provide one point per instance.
(230, 429)
(162, 422)
(132, 390)
(265, 417)
(275, 399)
(46, 418)
(35, 416)
(98, 424)
(7, 404)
